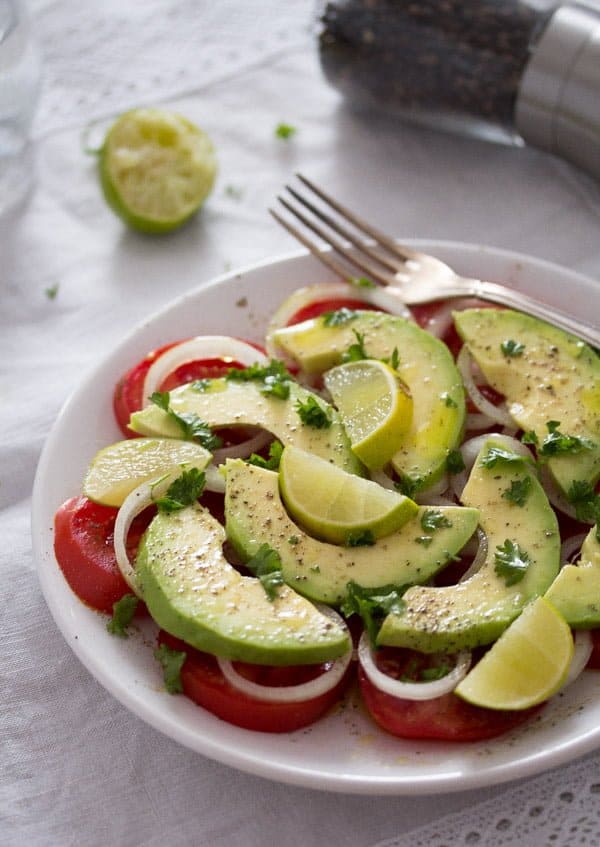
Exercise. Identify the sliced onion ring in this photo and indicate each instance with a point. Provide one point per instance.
(134, 504)
(290, 693)
(244, 448)
(553, 493)
(195, 349)
(583, 650)
(499, 414)
(571, 545)
(411, 690)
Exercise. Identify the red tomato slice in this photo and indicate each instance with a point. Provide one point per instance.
(204, 683)
(313, 310)
(446, 718)
(83, 545)
(127, 397)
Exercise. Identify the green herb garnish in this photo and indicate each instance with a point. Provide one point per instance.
(192, 427)
(518, 491)
(512, 349)
(266, 565)
(455, 462)
(356, 352)
(362, 282)
(285, 131)
(171, 662)
(556, 442)
(433, 519)
(511, 562)
(183, 491)
(123, 612)
(373, 604)
(275, 378)
(312, 413)
(339, 317)
(272, 463)
(448, 401)
(586, 503)
(51, 291)
(360, 538)
(498, 455)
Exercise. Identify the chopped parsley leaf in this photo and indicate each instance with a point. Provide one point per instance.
(557, 443)
(183, 491)
(360, 538)
(51, 291)
(123, 612)
(338, 317)
(498, 455)
(201, 384)
(312, 413)
(285, 131)
(272, 463)
(373, 604)
(274, 376)
(362, 282)
(433, 519)
(356, 352)
(408, 486)
(511, 349)
(455, 462)
(394, 359)
(171, 662)
(511, 562)
(586, 502)
(448, 401)
(266, 565)
(192, 427)
(518, 491)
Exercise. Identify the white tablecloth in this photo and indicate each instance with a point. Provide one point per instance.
(77, 767)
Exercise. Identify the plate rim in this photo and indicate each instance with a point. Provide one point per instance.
(419, 784)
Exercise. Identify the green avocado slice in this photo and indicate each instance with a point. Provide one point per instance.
(424, 364)
(255, 515)
(193, 593)
(546, 376)
(222, 403)
(520, 530)
(576, 590)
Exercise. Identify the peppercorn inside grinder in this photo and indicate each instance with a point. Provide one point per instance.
(505, 70)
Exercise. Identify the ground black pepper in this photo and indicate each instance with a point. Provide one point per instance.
(443, 62)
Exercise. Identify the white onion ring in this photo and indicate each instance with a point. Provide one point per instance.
(432, 495)
(383, 479)
(290, 693)
(194, 349)
(134, 504)
(571, 545)
(440, 321)
(479, 558)
(499, 414)
(411, 690)
(583, 650)
(215, 481)
(477, 421)
(244, 448)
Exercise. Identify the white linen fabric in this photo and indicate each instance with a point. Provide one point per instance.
(77, 767)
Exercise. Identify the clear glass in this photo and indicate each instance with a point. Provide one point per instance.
(19, 91)
(452, 64)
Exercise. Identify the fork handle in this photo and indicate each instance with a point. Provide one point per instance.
(521, 302)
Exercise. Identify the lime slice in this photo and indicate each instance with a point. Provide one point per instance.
(375, 407)
(336, 506)
(119, 468)
(156, 169)
(529, 662)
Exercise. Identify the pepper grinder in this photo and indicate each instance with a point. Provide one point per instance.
(518, 71)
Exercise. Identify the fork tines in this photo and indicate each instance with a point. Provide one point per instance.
(361, 245)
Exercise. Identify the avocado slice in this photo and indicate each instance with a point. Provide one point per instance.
(546, 375)
(222, 403)
(425, 365)
(576, 590)
(255, 514)
(478, 610)
(193, 593)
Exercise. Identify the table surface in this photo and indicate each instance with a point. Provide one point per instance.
(77, 766)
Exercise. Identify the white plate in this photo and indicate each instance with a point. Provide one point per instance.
(345, 751)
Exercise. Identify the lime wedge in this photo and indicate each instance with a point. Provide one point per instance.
(336, 506)
(119, 468)
(375, 407)
(156, 169)
(527, 665)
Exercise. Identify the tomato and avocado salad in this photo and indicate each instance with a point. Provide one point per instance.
(377, 501)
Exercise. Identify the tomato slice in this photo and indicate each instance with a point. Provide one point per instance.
(84, 550)
(204, 683)
(445, 718)
(313, 310)
(127, 396)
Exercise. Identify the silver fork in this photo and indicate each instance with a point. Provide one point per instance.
(415, 277)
